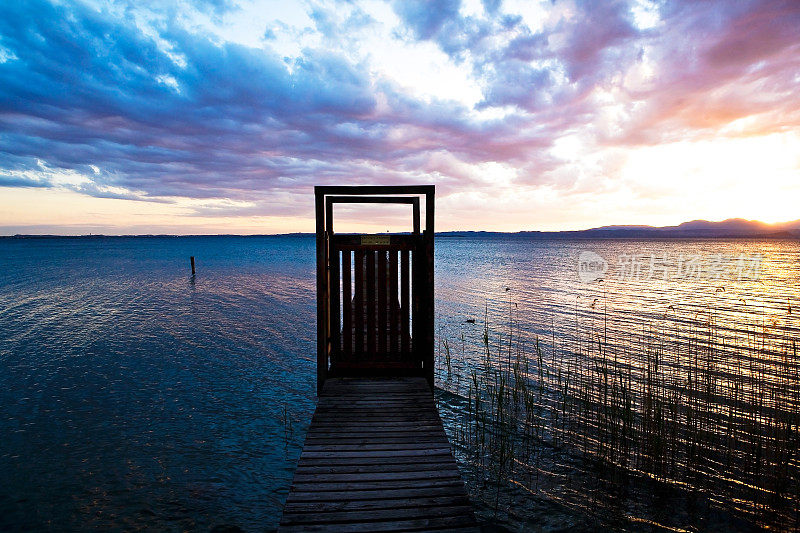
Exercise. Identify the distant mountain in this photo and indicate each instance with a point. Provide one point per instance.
(731, 228)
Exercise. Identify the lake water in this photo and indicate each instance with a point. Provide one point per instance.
(135, 397)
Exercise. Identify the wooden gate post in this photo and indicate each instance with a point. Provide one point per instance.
(429, 296)
(322, 308)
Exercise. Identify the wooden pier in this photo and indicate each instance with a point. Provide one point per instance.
(376, 458)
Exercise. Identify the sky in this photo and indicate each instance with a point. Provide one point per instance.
(219, 116)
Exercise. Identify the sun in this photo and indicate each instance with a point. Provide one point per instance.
(742, 177)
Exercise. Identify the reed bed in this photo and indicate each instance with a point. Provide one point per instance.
(702, 418)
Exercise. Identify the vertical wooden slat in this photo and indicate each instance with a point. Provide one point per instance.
(382, 286)
(359, 302)
(405, 302)
(371, 307)
(334, 292)
(347, 305)
(417, 321)
(393, 303)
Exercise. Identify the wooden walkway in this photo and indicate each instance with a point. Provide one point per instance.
(376, 458)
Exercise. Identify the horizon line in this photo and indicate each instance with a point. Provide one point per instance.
(787, 227)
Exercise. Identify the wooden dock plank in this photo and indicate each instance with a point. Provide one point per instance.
(376, 458)
(371, 515)
(443, 464)
(361, 505)
(425, 492)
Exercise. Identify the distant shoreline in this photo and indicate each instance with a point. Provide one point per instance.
(732, 228)
(591, 234)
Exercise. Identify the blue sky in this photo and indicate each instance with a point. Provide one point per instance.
(221, 115)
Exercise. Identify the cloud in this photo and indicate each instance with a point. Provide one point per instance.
(155, 104)
(87, 90)
(740, 61)
(426, 18)
(10, 180)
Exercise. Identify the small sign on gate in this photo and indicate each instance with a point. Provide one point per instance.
(373, 240)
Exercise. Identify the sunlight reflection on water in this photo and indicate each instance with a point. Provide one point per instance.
(741, 330)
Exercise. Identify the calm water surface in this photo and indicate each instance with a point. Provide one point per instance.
(135, 397)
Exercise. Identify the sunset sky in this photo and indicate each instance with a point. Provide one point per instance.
(219, 116)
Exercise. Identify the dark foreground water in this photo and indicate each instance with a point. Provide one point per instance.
(135, 397)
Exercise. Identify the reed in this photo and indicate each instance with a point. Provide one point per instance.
(704, 412)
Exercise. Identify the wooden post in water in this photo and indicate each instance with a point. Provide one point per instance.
(192, 260)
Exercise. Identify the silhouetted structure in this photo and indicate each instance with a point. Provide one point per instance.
(374, 292)
(376, 457)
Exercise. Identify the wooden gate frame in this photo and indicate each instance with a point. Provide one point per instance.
(324, 198)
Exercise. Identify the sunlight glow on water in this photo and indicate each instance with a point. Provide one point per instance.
(708, 363)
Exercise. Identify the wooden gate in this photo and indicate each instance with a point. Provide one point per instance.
(374, 291)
